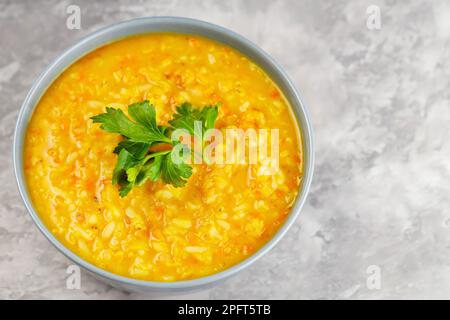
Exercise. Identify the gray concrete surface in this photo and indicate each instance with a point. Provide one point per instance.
(379, 101)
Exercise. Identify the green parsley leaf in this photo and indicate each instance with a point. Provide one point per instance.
(145, 130)
(137, 149)
(173, 173)
(125, 161)
(144, 113)
(187, 115)
(151, 170)
(148, 168)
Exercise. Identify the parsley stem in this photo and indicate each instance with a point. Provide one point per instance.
(156, 154)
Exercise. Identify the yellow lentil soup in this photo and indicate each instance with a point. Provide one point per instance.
(158, 232)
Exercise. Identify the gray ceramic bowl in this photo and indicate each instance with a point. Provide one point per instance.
(177, 25)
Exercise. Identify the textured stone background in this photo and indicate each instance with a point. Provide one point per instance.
(379, 101)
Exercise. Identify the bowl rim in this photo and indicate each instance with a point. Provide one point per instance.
(195, 27)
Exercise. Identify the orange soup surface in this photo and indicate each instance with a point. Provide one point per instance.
(157, 232)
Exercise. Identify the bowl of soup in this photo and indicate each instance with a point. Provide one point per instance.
(161, 237)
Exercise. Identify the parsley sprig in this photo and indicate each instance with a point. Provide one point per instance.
(136, 162)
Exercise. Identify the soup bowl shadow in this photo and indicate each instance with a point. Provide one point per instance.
(183, 26)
